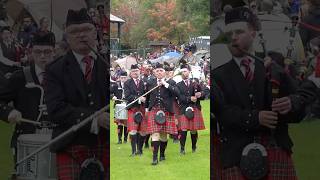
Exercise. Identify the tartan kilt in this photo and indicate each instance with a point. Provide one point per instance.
(216, 169)
(69, 161)
(196, 123)
(121, 122)
(168, 127)
(142, 127)
(280, 165)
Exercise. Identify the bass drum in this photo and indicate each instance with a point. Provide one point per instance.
(41, 166)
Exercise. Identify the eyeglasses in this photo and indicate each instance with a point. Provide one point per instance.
(46, 52)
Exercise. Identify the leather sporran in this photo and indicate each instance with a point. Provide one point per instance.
(138, 117)
(254, 162)
(189, 113)
(160, 117)
(92, 169)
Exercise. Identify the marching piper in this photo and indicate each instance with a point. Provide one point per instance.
(190, 94)
(137, 124)
(169, 74)
(147, 76)
(255, 143)
(160, 112)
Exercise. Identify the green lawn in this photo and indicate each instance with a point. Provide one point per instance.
(191, 166)
(306, 152)
(6, 161)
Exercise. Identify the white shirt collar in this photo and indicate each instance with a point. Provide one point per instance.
(239, 59)
(79, 57)
(38, 70)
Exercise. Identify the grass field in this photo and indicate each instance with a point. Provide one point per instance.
(191, 166)
(6, 160)
(176, 167)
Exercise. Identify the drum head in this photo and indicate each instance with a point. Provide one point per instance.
(138, 117)
(34, 138)
(160, 117)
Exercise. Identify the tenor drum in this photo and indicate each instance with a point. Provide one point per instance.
(122, 115)
(41, 166)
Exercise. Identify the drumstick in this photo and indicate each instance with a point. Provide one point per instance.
(29, 121)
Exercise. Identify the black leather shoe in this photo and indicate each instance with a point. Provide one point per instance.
(154, 162)
(182, 152)
(139, 153)
(162, 158)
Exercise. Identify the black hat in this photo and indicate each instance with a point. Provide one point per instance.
(44, 40)
(239, 14)
(100, 6)
(168, 68)
(78, 17)
(134, 66)
(182, 66)
(159, 65)
(123, 73)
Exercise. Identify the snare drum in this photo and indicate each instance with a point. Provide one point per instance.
(41, 166)
(123, 114)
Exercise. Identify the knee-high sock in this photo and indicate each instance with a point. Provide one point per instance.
(156, 145)
(133, 143)
(147, 139)
(120, 129)
(141, 142)
(138, 141)
(125, 133)
(194, 138)
(183, 137)
(163, 146)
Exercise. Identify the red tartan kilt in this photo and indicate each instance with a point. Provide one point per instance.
(280, 167)
(69, 161)
(121, 122)
(217, 167)
(142, 127)
(196, 123)
(168, 127)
